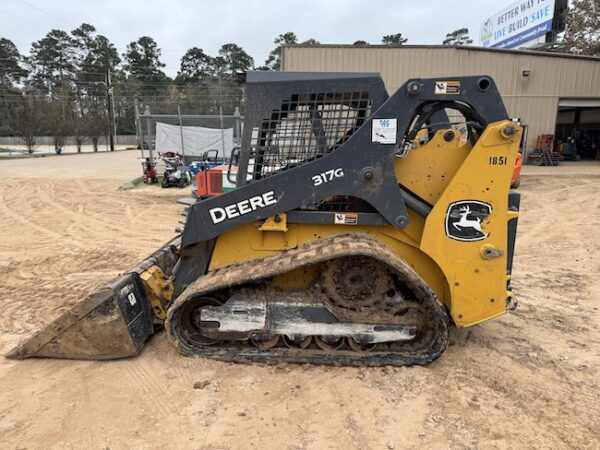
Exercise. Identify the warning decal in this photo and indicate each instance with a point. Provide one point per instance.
(447, 87)
(345, 219)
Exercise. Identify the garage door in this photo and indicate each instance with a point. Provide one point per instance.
(579, 103)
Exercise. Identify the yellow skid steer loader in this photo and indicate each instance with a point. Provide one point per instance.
(361, 227)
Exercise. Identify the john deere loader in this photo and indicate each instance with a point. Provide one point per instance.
(361, 228)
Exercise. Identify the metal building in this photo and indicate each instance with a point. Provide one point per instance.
(553, 93)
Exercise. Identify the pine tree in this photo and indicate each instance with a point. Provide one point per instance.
(235, 59)
(274, 60)
(11, 71)
(52, 62)
(195, 66)
(142, 60)
(582, 27)
(458, 37)
(394, 39)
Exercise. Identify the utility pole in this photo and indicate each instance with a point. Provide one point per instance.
(221, 120)
(110, 106)
(181, 132)
(238, 125)
(149, 131)
(139, 135)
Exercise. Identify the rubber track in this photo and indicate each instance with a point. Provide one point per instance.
(309, 253)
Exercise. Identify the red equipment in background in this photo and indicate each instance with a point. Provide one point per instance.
(213, 181)
(150, 176)
(516, 176)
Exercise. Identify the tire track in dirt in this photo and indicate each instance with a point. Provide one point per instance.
(546, 203)
(6, 204)
(153, 392)
(80, 221)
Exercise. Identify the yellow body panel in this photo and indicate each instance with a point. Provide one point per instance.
(242, 244)
(427, 170)
(471, 285)
(477, 285)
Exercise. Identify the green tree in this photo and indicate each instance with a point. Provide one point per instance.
(274, 60)
(142, 60)
(219, 67)
(582, 27)
(458, 37)
(235, 59)
(94, 54)
(394, 39)
(11, 74)
(310, 41)
(360, 43)
(195, 66)
(144, 79)
(52, 61)
(11, 71)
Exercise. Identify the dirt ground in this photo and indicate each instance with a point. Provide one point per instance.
(526, 380)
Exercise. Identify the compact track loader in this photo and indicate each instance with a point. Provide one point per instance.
(361, 227)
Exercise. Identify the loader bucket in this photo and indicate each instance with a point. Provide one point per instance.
(113, 322)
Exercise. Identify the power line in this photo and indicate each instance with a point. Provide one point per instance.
(46, 12)
(22, 20)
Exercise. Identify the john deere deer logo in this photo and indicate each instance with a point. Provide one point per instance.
(464, 218)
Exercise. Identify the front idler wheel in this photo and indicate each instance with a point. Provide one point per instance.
(191, 323)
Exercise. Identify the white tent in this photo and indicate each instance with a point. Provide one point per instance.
(196, 140)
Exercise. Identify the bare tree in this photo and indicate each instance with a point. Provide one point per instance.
(79, 131)
(27, 121)
(95, 124)
(59, 123)
(59, 116)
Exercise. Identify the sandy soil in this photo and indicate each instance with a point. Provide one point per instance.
(526, 380)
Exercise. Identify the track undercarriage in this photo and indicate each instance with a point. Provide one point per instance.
(365, 307)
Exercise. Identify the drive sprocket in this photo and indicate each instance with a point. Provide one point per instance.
(355, 282)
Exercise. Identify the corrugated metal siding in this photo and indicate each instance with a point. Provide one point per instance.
(534, 98)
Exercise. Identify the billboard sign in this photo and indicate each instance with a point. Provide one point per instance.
(520, 22)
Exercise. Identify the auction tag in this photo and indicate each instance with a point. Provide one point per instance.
(384, 131)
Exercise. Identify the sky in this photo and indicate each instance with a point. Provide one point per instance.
(177, 25)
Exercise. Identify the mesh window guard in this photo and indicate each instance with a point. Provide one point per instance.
(305, 127)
